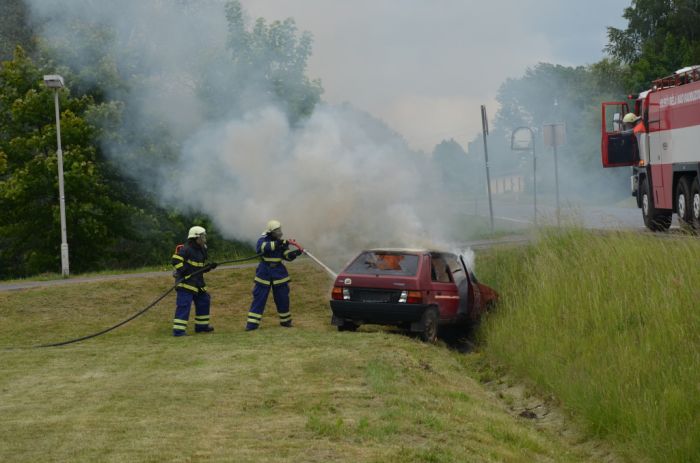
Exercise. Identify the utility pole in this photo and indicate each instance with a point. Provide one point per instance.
(485, 131)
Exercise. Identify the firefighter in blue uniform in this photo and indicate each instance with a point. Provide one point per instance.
(272, 274)
(190, 265)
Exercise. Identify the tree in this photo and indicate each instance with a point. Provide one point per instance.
(268, 62)
(15, 28)
(661, 37)
(549, 93)
(100, 222)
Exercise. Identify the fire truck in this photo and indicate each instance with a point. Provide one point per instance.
(665, 157)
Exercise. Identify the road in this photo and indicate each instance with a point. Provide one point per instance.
(588, 216)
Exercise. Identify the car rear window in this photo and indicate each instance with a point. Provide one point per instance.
(384, 263)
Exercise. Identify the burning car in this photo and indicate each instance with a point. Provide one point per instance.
(415, 289)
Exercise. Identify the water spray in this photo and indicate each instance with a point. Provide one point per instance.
(321, 264)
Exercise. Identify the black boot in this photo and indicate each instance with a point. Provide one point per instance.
(287, 324)
(204, 329)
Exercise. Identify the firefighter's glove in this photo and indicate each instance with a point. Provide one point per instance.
(297, 245)
(210, 267)
(294, 254)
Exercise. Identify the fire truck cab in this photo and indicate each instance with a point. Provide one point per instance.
(665, 157)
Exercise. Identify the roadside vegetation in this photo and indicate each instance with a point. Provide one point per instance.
(608, 324)
(307, 394)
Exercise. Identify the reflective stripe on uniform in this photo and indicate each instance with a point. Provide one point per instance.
(286, 253)
(178, 257)
(272, 259)
(195, 264)
(262, 282)
(179, 324)
(272, 245)
(262, 246)
(254, 318)
(190, 287)
(180, 265)
(285, 316)
(201, 320)
(283, 280)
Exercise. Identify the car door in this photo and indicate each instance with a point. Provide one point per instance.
(443, 289)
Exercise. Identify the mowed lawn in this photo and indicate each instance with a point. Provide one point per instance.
(307, 394)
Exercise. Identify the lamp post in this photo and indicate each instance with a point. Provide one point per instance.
(55, 82)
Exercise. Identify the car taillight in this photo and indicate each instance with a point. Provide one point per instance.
(340, 294)
(411, 297)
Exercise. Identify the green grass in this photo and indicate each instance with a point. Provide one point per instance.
(308, 394)
(609, 324)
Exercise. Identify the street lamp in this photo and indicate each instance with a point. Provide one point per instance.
(55, 82)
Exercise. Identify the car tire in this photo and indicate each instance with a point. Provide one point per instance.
(348, 326)
(653, 219)
(684, 203)
(429, 323)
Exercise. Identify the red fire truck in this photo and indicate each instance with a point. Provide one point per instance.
(665, 158)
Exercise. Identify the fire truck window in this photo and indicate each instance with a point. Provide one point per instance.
(439, 270)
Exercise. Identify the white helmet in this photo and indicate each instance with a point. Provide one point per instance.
(196, 232)
(630, 118)
(272, 225)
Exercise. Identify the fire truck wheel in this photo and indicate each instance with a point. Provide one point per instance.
(653, 219)
(695, 203)
(684, 203)
(430, 325)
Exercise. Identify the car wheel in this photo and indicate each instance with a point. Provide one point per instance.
(348, 326)
(429, 323)
(653, 219)
(695, 204)
(684, 206)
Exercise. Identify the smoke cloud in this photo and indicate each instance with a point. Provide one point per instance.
(339, 180)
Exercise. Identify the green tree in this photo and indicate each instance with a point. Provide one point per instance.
(268, 60)
(661, 37)
(15, 28)
(99, 221)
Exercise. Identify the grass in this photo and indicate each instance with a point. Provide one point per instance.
(307, 394)
(609, 324)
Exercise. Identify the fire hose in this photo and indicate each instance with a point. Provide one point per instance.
(145, 309)
(169, 290)
(314, 258)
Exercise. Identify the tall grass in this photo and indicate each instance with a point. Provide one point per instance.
(610, 324)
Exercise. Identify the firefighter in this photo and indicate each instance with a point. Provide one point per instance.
(272, 274)
(190, 265)
(630, 121)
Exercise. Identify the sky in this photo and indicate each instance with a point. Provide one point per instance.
(425, 67)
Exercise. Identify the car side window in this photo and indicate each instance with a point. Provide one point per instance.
(438, 269)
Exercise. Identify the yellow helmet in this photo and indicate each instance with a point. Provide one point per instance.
(196, 232)
(630, 118)
(272, 225)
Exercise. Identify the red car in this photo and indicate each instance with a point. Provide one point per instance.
(414, 289)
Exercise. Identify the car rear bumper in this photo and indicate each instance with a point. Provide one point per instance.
(378, 313)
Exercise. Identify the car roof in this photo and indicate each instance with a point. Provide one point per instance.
(405, 250)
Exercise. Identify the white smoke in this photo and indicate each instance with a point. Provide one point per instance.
(338, 181)
(330, 182)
